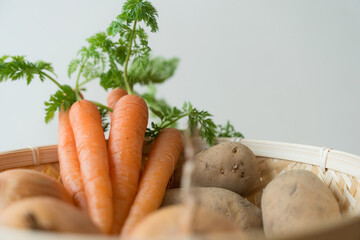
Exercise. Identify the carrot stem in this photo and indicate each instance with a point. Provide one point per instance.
(174, 121)
(53, 80)
(102, 106)
(128, 86)
(77, 86)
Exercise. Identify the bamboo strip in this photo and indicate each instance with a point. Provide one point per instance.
(336, 160)
(24, 157)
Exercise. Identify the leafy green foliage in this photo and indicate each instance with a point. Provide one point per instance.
(19, 68)
(104, 118)
(125, 40)
(140, 10)
(202, 118)
(116, 52)
(196, 118)
(157, 70)
(113, 78)
(90, 64)
(62, 99)
(168, 117)
(155, 105)
(228, 131)
(113, 56)
(73, 66)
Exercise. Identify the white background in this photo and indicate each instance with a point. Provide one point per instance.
(279, 70)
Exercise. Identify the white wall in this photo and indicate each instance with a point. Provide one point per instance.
(279, 70)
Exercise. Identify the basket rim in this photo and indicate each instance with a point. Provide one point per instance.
(333, 159)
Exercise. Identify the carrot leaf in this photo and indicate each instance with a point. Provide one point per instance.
(125, 47)
(196, 118)
(157, 106)
(132, 36)
(113, 78)
(116, 52)
(139, 10)
(90, 64)
(104, 118)
(228, 130)
(62, 99)
(202, 118)
(17, 67)
(156, 70)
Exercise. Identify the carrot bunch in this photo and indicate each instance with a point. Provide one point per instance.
(104, 180)
(82, 149)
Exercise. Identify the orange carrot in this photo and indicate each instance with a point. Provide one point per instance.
(157, 173)
(113, 97)
(92, 153)
(128, 126)
(69, 162)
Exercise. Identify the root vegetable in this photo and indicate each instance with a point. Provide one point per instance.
(177, 221)
(18, 184)
(228, 165)
(296, 201)
(49, 214)
(227, 203)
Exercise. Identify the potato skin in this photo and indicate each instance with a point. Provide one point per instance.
(180, 220)
(228, 165)
(231, 205)
(296, 200)
(17, 184)
(48, 214)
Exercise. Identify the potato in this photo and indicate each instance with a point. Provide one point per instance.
(295, 201)
(227, 165)
(180, 220)
(231, 205)
(18, 184)
(46, 213)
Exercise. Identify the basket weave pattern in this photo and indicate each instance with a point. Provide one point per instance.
(345, 188)
(342, 175)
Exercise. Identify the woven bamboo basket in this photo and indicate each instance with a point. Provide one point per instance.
(339, 170)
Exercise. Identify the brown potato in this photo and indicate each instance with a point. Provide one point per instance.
(228, 165)
(45, 213)
(296, 201)
(18, 184)
(180, 220)
(229, 204)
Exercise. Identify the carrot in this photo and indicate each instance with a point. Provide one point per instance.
(92, 153)
(128, 126)
(69, 162)
(113, 97)
(158, 170)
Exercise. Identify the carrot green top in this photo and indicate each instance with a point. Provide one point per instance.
(17, 68)
(124, 51)
(120, 58)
